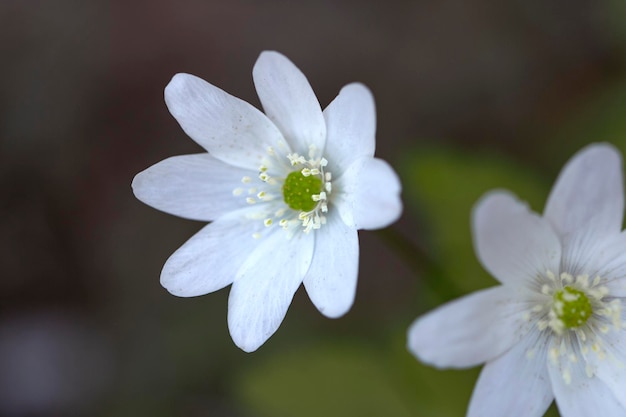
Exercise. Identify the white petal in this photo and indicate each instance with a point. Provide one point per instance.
(331, 280)
(351, 126)
(605, 258)
(229, 128)
(583, 396)
(265, 285)
(197, 187)
(468, 331)
(513, 243)
(588, 196)
(513, 385)
(210, 259)
(611, 367)
(289, 101)
(367, 195)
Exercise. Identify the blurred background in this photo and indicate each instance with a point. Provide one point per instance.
(471, 95)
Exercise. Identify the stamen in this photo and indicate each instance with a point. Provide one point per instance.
(305, 190)
(577, 315)
(566, 278)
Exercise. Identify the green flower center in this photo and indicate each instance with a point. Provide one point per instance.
(298, 191)
(572, 307)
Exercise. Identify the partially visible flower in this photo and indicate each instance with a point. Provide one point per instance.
(555, 328)
(285, 191)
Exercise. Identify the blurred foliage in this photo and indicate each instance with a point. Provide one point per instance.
(444, 185)
(600, 119)
(353, 380)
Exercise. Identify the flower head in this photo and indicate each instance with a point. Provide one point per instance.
(556, 327)
(285, 193)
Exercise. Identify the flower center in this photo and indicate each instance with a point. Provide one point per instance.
(305, 186)
(299, 191)
(577, 311)
(572, 307)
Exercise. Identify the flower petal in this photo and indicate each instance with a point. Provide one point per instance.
(609, 367)
(583, 396)
(208, 262)
(332, 277)
(513, 385)
(265, 285)
(229, 128)
(513, 243)
(289, 101)
(605, 258)
(197, 187)
(588, 196)
(351, 127)
(367, 195)
(468, 331)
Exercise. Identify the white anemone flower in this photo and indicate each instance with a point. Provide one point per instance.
(285, 193)
(555, 328)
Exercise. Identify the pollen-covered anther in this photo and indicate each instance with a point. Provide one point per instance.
(262, 195)
(319, 197)
(566, 278)
(296, 159)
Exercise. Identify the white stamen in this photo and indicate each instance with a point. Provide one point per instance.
(266, 189)
(570, 344)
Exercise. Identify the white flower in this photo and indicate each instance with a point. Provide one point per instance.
(285, 191)
(555, 328)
